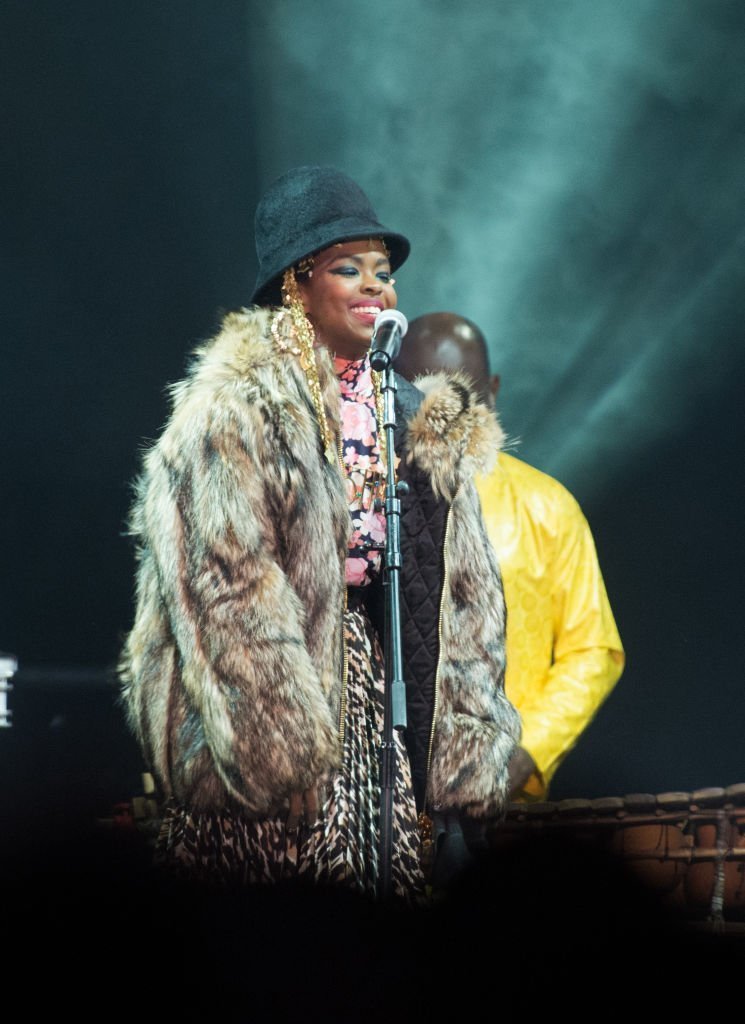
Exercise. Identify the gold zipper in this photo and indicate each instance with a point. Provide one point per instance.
(344, 654)
(344, 670)
(436, 707)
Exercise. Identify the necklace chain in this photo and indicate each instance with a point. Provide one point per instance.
(380, 416)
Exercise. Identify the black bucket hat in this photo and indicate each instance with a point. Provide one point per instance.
(308, 209)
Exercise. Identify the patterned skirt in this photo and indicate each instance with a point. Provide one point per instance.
(343, 846)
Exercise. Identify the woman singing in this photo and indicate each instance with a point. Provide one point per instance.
(253, 675)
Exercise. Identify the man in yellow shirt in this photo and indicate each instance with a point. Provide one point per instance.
(564, 654)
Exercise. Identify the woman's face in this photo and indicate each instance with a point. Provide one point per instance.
(350, 284)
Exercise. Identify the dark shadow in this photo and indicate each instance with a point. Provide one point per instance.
(552, 920)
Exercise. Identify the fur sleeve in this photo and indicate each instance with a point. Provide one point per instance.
(202, 515)
(451, 437)
(478, 728)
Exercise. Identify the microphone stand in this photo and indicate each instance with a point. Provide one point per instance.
(394, 716)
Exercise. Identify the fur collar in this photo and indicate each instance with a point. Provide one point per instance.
(451, 437)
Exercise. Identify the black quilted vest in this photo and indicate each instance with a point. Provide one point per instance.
(423, 521)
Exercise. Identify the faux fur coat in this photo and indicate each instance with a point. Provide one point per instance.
(232, 672)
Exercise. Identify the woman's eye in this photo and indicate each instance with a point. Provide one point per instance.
(352, 271)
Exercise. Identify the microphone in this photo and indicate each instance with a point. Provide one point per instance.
(390, 327)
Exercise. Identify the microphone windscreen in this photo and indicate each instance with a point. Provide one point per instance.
(391, 316)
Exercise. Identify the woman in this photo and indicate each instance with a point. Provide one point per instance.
(253, 674)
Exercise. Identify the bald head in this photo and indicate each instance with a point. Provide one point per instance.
(445, 341)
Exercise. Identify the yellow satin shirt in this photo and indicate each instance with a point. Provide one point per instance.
(564, 654)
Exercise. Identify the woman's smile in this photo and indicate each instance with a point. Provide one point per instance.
(367, 311)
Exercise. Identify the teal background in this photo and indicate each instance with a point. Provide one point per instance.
(571, 178)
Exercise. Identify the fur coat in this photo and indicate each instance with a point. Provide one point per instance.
(232, 672)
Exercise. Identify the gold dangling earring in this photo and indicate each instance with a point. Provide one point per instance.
(302, 328)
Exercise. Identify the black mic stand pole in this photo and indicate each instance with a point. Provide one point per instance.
(395, 689)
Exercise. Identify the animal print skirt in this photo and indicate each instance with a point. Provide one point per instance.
(342, 847)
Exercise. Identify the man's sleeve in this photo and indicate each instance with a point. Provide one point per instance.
(588, 657)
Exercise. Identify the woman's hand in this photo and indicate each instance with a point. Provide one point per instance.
(521, 767)
(305, 809)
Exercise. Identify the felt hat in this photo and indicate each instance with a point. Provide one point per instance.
(308, 209)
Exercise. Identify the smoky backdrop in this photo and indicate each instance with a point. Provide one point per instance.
(571, 178)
